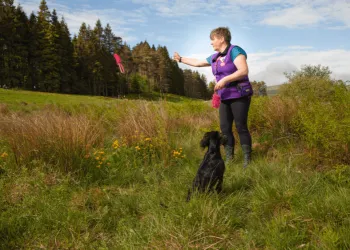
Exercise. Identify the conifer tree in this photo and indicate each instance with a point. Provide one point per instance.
(47, 55)
(67, 73)
(33, 53)
(82, 55)
(6, 42)
(164, 69)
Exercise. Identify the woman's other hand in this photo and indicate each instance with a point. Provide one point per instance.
(220, 85)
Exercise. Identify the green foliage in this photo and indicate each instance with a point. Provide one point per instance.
(322, 126)
(307, 71)
(211, 87)
(311, 108)
(138, 84)
(259, 88)
(195, 85)
(323, 111)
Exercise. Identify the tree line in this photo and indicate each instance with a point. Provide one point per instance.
(38, 53)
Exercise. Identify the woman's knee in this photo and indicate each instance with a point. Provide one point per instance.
(242, 128)
(226, 129)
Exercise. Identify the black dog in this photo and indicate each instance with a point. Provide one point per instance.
(211, 171)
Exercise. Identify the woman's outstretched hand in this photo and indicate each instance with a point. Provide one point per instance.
(176, 57)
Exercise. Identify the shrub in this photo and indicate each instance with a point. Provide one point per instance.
(274, 115)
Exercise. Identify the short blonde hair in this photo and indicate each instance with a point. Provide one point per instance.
(221, 32)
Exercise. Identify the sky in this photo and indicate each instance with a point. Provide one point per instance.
(278, 36)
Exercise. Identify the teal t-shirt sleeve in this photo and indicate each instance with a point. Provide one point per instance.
(209, 60)
(236, 51)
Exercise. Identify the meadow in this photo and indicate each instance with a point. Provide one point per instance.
(80, 172)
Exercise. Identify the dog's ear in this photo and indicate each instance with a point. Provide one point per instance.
(205, 140)
(223, 139)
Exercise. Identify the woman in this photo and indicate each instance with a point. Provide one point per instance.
(229, 66)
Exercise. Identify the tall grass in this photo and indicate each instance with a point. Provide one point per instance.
(52, 136)
(146, 118)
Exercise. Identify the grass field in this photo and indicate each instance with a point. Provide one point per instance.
(79, 172)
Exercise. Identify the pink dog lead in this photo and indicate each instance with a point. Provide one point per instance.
(215, 101)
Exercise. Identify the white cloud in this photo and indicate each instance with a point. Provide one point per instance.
(298, 47)
(294, 13)
(291, 14)
(270, 68)
(293, 17)
(332, 14)
(75, 17)
(254, 2)
(338, 11)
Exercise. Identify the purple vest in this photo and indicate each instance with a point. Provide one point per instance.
(222, 67)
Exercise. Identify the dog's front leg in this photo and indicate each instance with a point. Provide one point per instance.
(218, 187)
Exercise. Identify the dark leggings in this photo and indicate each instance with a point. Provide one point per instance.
(237, 110)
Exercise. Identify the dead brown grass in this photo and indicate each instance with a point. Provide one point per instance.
(4, 110)
(144, 118)
(153, 120)
(52, 136)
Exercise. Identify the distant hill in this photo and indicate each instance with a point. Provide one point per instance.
(273, 90)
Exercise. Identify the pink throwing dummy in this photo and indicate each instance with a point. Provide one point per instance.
(119, 62)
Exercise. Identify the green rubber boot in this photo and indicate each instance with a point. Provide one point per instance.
(247, 150)
(229, 154)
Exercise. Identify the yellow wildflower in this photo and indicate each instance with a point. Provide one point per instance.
(4, 155)
(137, 147)
(115, 144)
(148, 139)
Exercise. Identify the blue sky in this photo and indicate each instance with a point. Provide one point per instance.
(279, 36)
